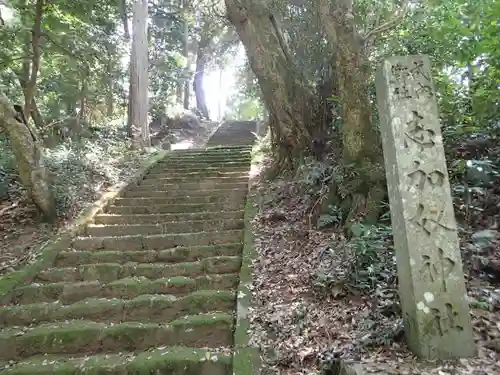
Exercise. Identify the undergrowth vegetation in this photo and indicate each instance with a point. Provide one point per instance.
(356, 269)
(80, 169)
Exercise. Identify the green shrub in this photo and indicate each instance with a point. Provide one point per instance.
(80, 169)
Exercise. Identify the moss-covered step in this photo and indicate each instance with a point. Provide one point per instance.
(177, 254)
(166, 218)
(212, 151)
(164, 361)
(152, 308)
(180, 194)
(126, 288)
(108, 272)
(87, 337)
(241, 153)
(190, 186)
(157, 241)
(196, 175)
(175, 208)
(186, 159)
(145, 201)
(232, 147)
(175, 165)
(99, 230)
(200, 179)
(208, 169)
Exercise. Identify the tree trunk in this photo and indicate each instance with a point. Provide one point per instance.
(122, 6)
(138, 114)
(29, 159)
(187, 65)
(291, 103)
(201, 102)
(361, 144)
(186, 95)
(360, 139)
(36, 33)
(179, 91)
(83, 99)
(37, 116)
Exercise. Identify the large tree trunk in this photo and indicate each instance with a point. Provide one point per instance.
(201, 102)
(361, 146)
(185, 42)
(29, 159)
(138, 109)
(291, 103)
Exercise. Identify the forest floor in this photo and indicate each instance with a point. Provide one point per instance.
(319, 299)
(83, 172)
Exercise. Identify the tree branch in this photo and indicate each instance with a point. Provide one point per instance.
(281, 39)
(69, 53)
(327, 21)
(396, 20)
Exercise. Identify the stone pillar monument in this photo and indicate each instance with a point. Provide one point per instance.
(431, 280)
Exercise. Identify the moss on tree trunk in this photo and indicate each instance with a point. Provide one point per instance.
(29, 159)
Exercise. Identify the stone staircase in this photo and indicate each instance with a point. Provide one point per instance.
(234, 133)
(150, 287)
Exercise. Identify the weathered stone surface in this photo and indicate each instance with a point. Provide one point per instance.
(431, 278)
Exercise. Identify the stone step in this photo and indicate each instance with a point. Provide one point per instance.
(200, 160)
(194, 178)
(242, 139)
(190, 186)
(211, 153)
(198, 200)
(152, 308)
(214, 150)
(127, 288)
(175, 208)
(198, 175)
(230, 193)
(107, 272)
(163, 360)
(111, 219)
(201, 164)
(157, 241)
(234, 134)
(223, 167)
(99, 230)
(177, 254)
(229, 148)
(86, 337)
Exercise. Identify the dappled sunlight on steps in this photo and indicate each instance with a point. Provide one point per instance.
(149, 287)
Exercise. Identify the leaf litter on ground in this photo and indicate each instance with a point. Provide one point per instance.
(304, 323)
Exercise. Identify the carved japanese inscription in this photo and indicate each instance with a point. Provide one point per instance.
(410, 81)
(437, 269)
(419, 133)
(431, 280)
(445, 320)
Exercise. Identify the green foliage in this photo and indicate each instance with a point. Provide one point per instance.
(8, 170)
(246, 103)
(370, 245)
(79, 169)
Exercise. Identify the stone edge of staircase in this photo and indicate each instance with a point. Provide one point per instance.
(246, 359)
(48, 251)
